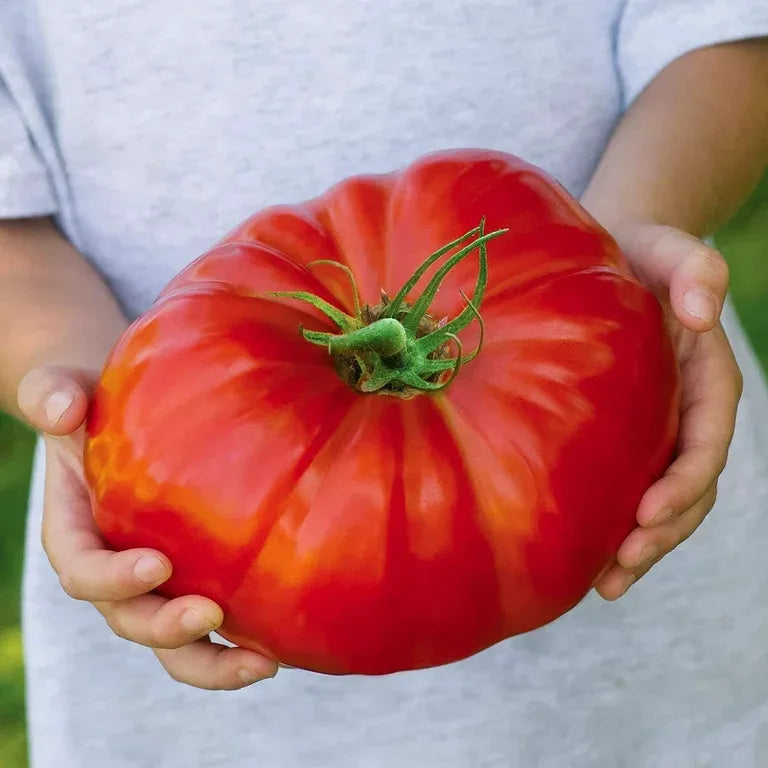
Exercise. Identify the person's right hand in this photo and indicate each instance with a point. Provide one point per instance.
(55, 401)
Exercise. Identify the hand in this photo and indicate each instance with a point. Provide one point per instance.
(691, 281)
(55, 400)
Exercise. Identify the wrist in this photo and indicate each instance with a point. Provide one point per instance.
(615, 212)
(89, 352)
(61, 311)
(79, 350)
(618, 218)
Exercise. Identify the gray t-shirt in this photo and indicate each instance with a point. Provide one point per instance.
(151, 128)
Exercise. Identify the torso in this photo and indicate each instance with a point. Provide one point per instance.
(167, 123)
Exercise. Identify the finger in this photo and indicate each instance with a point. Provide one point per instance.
(694, 274)
(212, 666)
(616, 582)
(698, 287)
(710, 399)
(54, 399)
(643, 548)
(86, 569)
(159, 623)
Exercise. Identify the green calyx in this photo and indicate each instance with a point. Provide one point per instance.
(397, 348)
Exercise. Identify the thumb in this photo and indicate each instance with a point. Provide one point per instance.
(694, 275)
(54, 399)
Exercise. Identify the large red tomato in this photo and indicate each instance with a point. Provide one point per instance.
(353, 499)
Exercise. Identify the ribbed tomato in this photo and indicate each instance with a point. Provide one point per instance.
(355, 500)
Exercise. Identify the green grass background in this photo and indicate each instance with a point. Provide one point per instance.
(744, 242)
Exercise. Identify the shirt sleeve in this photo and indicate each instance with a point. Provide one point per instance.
(25, 184)
(653, 33)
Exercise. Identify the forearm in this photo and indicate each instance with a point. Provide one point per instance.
(692, 146)
(54, 307)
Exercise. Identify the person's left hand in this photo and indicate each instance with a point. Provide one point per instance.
(691, 281)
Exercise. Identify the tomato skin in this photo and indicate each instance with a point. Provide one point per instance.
(361, 533)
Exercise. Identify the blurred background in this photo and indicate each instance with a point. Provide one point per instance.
(744, 242)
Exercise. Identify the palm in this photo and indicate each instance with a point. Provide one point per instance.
(674, 265)
(120, 584)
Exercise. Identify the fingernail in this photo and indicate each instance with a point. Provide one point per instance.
(57, 404)
(648, 555)
(150, 569)
(195, 623)
(700, 304)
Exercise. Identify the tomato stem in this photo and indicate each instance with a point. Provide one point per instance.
(385, 337)
(397, 302)
(397, 348)
(349, 273)
(420, 306)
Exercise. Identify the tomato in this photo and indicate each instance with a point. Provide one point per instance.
(359, 498)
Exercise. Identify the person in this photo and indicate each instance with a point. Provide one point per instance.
(135, 134)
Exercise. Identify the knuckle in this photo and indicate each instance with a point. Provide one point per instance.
(660, 240)
(156, 638)
(711, 259)
(674, 542)
(717, 263)
(664, 235)
(660, 552)
(69, 585)
(699, 517)
(117, 626)
(711, 461)
(738, 379)
(46, 545)
(174, 673)
(225, 679)
(708, 262)
(720, 460)
(677, 474)
(723, 269)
